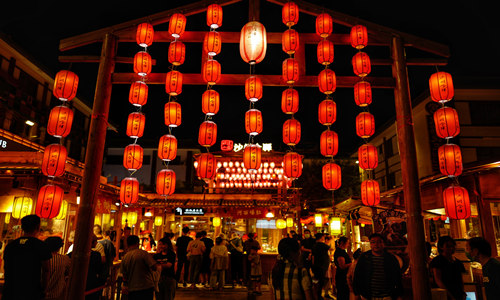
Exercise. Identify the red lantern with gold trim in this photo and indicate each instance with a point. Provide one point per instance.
(329, 143)
(132, 157)
(211, 71)
(327, 81)
(65, 85)
(290, 101)
(138, 95)
(176, 53)
(325, 52)
(49, 201)
(253, 42)
(207, 135)
(214, 16)
(324, 25)
(167, 147)
(142, 63)
(363, 93)
(54, 160)
(456, 202)
(290, 14)
(129, 190)
(359, 37)
(173, 83)
(361, 64)
(290, 41)
(446, 122)
(177, 25)
(290, 70)
(60, 121)
(165, 182)
(173, 114)
(332, 177)
(441, 87)
(327, 112)
(450, 160)
(253, 88)
(368, 157)
(145, 34)
(135, 125)
(292, 165)
(210, 101)
(252, 155)
(253, 121)
(212, 43)
(291, 132)
(370, 192)
(365, 125)
(207, 166)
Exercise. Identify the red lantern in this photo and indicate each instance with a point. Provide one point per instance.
(210, 102)
(327, 81)
(165, 182)
(368, 157)
(361, 64)
(253, 122)
(142, 63)
(324, 25)
(138, 95)
(292, 165)
(207, 166)
(253, 42)
(441, 87)
(129, 190)
(450, 160)
(177, 25)
(370, 192)
(173, 114)
(332, 177)
(54, 160)
(290, 41)
(214, 16)
(173, 83)
(211, 71)
(290, 101)
(49, 201)
(362, 93)
(132, 157)
(253, 88)
(456, 202)
(290, 70)
(60, 121)
(359, 37)
(329, 143)
(365, 125)
(212, 43)
(176, 53)
(207, 135)
(325, 52)
(144, 35)
(291, 132)
(65, 85)
(290, 14)
(446, 122)
(135, 125)
(167, 147)
(327, 112)
(252, 155)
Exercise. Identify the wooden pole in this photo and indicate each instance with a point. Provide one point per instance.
(92, 171)
(409, 173)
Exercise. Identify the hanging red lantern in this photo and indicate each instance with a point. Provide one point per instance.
(165, 182)
(214, 16)
(290, 14)
(325, 52)
(129, 190)
(212, 43)
(135, 125)
(450, 160)
(253, 122)
(207, 135)
(456, 203)
(362, 93)
(138, 95)
(290, 41)
(329, 143)
(253, 42)
(324, 25)
(359, 37)
(60, 121)
(292, 165)
(176, 53)
(361, 64)
(65, 85)
(446, 122)
(365, 125)
(177, 25)
(132, 157)
(332, 177)
(290, 70)
(207, 166)
(290, 101)
(327, 81)
(211, 71)
(167, 147)
(142, 63)
(54, 160)
(144, 35)
(49, 201)
(291, 132)
(253, 88)
(441, 87)
(252, 155)
(173, 114)
(327, 112)
(210, 101)
(173, 83)
(370, 192)
(368, 157)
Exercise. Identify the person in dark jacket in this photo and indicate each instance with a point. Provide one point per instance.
(378, 273)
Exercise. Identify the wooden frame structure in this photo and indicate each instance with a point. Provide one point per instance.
(110, 37)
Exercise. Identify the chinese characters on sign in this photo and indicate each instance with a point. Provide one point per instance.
(249, 213)
(180, 211)
(267, 147)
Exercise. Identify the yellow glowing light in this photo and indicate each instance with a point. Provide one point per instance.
(158, 220)
(318, 220)
(289, 222)
(280, 224)
(62, 211)
(21, 207)
(336, 226)
(216, 221)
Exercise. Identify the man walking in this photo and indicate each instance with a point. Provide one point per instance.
(480, 251)
(182, 261)
(320, 263)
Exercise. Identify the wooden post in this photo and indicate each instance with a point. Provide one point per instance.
(92, 171)
(409, 173)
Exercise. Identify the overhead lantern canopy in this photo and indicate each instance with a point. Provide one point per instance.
(324, 25)
(214, 16)
(211, 71)
(65, 85)
(365, 125)
(144, 35)
(329, 143)
(207, 166)
(325, 52)
(167, 147)
(176, 53)
(290, 41)
(253, 121)
(173, 83)
(441, 87)
(361, 64)
(135, 124)
(173, 114)
(370, 192)
(363, 93)
(252, 156)
(207, 135)
(165, 182)
(290, 70)
(54, 160)
(456, 202)
(142, 63)
(359, 37)
(327, 81)
(138, 95)
(212, 43)
(132, 157)
(253, 42)
(450, 160)
(49, 201)
(177, 25)
(446, 122)
(292, 165)
(327, 112)
(291, 132)
(368, 157)
(253, 88)
(332, 178)
(60, 121)
(210, 101)
(290, 101)
(129, 190)
(290, 14)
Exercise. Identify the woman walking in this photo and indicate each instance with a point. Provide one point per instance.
(342, 262)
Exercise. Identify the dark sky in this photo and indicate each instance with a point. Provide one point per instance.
(467, 27)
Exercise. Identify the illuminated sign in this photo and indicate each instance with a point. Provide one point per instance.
(181, 211)
(267, 147)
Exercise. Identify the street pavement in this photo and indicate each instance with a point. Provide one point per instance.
(228, 293)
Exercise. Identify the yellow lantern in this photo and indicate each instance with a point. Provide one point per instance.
(336, 226)
(318, 220)
(142, 225)
(280, 224)
(132, 218)
(289, 222)
(7, 218)
(21, 207)
(97, 220)
(105, 219)
(63, 210)
(216, 221)
(158, 220)
(124, 218)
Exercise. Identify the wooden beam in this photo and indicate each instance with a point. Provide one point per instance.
(96, 59)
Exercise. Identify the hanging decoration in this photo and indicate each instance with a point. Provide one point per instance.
(22, 207)
(129, 190)
(49, 201)
(370, 192)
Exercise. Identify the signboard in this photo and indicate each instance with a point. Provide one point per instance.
(249, 213)
(7, 144)
(266, 147)
(181, 211)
